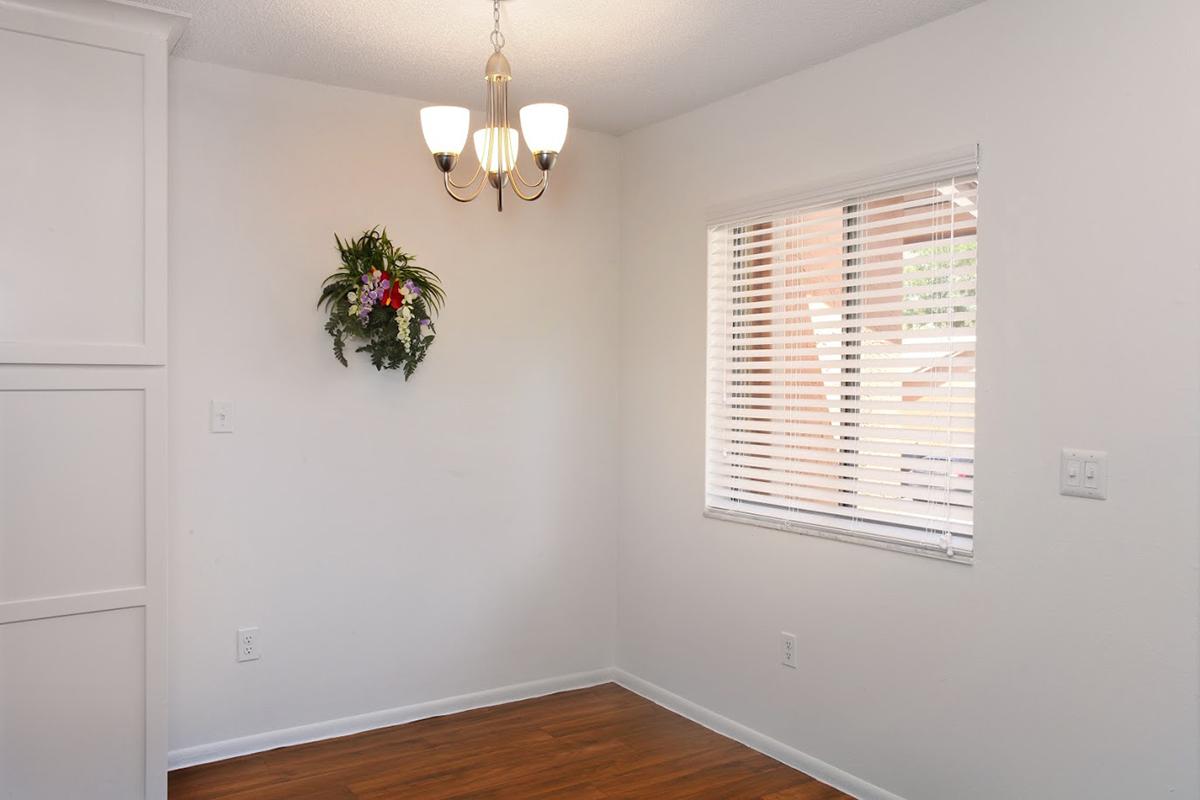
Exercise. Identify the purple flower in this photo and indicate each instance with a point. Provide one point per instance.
(385, 284)
(366, 278)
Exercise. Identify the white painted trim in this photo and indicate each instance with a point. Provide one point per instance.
(30, 610)
(785, 754)
(157, 499)
(850, 537)
(164, 23)
(231, 748)
(937, 166)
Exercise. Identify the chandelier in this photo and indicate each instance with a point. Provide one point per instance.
(496, 144)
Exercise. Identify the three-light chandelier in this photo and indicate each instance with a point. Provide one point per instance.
(496, 144)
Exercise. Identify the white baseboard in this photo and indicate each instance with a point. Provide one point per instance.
(231, 748)
(246, 745)
(826, 773)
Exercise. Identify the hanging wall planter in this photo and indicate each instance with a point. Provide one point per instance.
(380, 298)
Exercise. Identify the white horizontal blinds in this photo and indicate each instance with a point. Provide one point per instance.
(841, 366)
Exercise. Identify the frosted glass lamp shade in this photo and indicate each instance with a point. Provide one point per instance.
(445, 128)
(489, 151)
(545, 127)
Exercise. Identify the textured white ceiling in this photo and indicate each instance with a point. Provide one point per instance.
(618, 64)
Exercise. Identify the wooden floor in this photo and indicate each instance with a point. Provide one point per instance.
(590, 744)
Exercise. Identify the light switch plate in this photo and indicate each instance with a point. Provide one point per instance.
(220, 416)
(1083, 473)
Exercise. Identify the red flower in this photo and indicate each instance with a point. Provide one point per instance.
(391, 295)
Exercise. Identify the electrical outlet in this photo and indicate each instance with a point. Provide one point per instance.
(787, 643)
(247, 644)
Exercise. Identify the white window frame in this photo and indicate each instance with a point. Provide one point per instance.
(945, 166)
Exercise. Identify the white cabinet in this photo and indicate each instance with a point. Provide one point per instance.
(83, 322)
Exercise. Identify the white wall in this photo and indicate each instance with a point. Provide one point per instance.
(1064, 662)
(395, 542)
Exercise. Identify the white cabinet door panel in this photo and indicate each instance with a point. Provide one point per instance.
(71, 212)
(73, 707)
(72, 491)
(83, 236)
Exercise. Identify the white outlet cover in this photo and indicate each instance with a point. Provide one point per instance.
(787, 650)
(247, 644)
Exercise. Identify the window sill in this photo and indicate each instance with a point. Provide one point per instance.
(894, 545)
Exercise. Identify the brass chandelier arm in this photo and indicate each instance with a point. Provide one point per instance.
(478, 179)
(516, 171)
(508, 161)
(468, 198)
(540, 186)
(468, 184)
(500, 101)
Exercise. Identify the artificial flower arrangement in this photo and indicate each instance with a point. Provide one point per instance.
(381, 298)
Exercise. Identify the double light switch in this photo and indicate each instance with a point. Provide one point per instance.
(1083, 473)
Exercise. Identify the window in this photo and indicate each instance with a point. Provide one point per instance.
(841, 365)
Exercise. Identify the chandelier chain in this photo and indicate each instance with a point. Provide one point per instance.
(497, 36)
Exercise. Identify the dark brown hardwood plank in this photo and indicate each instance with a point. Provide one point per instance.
(601, 743)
